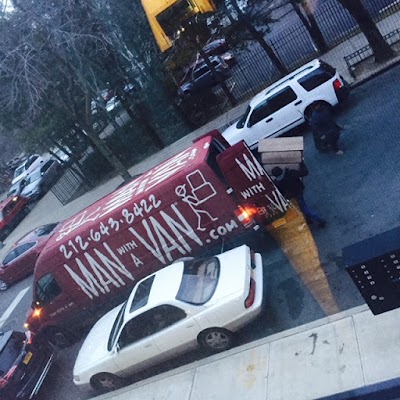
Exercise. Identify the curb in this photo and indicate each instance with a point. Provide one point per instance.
(388, 390)
(390, 64)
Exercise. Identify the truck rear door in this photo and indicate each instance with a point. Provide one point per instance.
(251, 184)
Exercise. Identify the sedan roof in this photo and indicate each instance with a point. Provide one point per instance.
(163, 290)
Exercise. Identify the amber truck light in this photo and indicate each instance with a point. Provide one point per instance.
(244, 215)
(252, 294)
(37, 312)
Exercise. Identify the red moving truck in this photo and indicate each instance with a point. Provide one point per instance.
(188, 205)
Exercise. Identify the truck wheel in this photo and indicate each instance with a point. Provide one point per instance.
(215, 339)
(58, 338)
(6, 231)
(3, 285)
(105, 382)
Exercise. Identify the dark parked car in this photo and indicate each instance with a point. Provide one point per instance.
(13, 209)
(23, 365)
(200, 78)
(21, 258)
(220, 47)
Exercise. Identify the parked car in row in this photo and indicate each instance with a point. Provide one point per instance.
(13, 209)
(220, 47)
(16, 188)
(39, 181)
(34, 161)
(23, 365)
(199, 76)
(288, 103)
(21, 258)
(193, 302)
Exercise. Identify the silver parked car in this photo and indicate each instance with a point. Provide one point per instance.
(39, 182)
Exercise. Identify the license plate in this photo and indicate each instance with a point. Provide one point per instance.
(27, 358)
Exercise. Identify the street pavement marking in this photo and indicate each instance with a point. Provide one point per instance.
(12, 306)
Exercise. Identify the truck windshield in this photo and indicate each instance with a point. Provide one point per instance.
(199, 280)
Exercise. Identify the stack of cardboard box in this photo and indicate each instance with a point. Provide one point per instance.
(286, 152)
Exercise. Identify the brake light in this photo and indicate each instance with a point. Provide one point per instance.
(244, 215)
(252, 294)
(337, 85)
(6, 378)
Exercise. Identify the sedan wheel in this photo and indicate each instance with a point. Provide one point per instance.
(216, 339)
(3, 285)
(106, 382)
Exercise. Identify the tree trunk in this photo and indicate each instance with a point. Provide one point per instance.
(382, 51)
(310, 24)
(109, 155)
(222, 83)
(260, 39)
(142, 114)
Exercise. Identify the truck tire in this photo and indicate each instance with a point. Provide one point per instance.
(3, 285)
(58, 338)
(106, 382)
(215, 340)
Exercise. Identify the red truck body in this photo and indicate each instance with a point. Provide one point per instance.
(183, 207)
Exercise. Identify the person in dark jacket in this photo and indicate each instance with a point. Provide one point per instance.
(290, 184)
(326, 131)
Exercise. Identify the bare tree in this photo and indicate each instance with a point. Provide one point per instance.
(380, 47)
(51, 59)
(255, 21)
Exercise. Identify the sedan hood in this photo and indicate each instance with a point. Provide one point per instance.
(94, 348)
(31, 188)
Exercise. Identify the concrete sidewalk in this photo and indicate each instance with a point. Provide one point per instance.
(350, 353)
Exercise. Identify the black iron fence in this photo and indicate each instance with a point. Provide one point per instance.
(293, 45)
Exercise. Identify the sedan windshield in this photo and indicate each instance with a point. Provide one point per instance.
(19, 171)
(199, 280)
(116, 328)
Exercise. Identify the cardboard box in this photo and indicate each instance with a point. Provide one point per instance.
(284, 152)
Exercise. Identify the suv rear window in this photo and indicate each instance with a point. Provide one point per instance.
(316, 78)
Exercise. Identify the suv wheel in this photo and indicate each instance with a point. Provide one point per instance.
(309, 110)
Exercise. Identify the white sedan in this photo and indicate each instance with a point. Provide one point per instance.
(196, 301)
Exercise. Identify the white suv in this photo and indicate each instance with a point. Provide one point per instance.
(288, 103)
